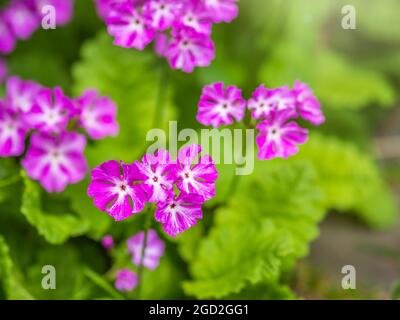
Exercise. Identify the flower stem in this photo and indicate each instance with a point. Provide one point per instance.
(146, 227)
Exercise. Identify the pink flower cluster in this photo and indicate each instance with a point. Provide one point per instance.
(21, 18)
(275, 110)
(44, 117)
(126, 279)
(122, 189)
(181, 28)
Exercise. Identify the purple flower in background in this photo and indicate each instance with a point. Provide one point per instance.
(12, 132)
(162, 13)
(178, 214)
(114, 191)
(307, 104)
(97, 115)
(107, 242)
(189, 49)
(126, 280)
(129, 27)
(3, 70)
(222, 10)
(51, 111)
(194, 15)
(155, 170)
(154, 249)
(219, 105)
(56, 161)
(266, 101)
(278, 138)
(161, 43)
(22, 20)
(7, 38)
(21, 94)
(64, 9)
(104, 7)
(195, 178)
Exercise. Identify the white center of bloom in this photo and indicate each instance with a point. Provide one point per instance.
(52, 117)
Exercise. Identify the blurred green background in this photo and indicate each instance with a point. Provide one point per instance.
(342, 188)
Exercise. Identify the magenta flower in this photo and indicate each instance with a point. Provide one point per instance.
(222, 10)
(3, 70)
(107, 242)
(219, 105)
(193, 15)
(161, 43)
(178, 214)
(64, 9)
(115, 192)
(155, 170)
(265, 101)
(307, 104)
(189, 49)
(279, 138)
(126, 280)
(7, 38)
(195, 178)
(22, 20)
(162, 13)
(154, 249)
(12, 132)
(56, 161)
(129, 27)
(21, 94)
(51, 111)
(97, 115)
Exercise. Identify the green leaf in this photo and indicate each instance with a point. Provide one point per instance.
(264, 228)
(55, 228)
(8, 278)
(350, 179)
(98, 221)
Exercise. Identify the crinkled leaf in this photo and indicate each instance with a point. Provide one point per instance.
(55, 228)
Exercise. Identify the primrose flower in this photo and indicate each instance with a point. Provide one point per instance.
(126, 280)
(265, 101)
(188, 49)
(156, 179)
(7, 37)
(195, 177)
(307, 104)
(51, 111)
(3, 70)
(64, 9)
(129, 27)
(56, 161)
(107, 242)
(21, 94)
(153, 252)
(161, 43)
(219, 105)
(97, 115)
(222, 10)
(193, 15)
(114, 191)
(162, 13)
(22, 20)
(12, 132)
(278, 138)
(178, 214)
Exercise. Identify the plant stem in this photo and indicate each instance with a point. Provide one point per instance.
(146, 227)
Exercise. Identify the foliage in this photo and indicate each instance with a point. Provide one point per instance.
(252, 234)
